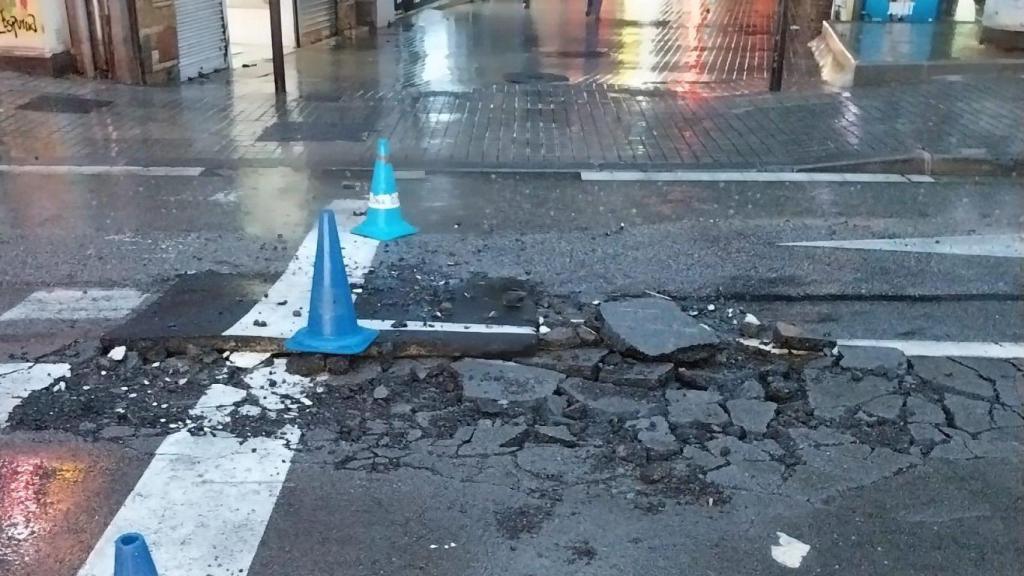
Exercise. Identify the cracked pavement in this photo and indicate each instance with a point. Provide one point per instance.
(541, 465)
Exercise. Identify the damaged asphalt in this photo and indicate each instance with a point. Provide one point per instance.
(627, 451)
(640, 436)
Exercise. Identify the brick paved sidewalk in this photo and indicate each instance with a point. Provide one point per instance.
(506, 126)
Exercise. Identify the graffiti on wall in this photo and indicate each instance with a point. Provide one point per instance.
(18, 18)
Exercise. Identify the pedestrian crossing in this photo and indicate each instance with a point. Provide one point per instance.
(76, 304)
(18, 380)
(204, 500)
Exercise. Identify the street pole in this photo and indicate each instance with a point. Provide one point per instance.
(277, 46)
(778, 48)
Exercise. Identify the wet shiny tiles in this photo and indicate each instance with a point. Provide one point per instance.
(693, 46)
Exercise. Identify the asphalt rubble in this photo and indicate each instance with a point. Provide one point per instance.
(658, 402)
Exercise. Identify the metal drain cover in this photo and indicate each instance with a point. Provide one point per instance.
(64, 104)
(534, 78)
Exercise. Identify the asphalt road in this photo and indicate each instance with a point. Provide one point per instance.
(546, 508)
(700, 242)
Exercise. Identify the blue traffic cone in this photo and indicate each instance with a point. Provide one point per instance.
(131, 556)
(332, 327)
(384, 216)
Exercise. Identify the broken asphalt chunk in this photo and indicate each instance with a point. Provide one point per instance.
(607, 400)
(788, 336)
(647, 375)
(695, 406)
(752, 415)
(952, 376)
(558, 338)
(656, 329)
(489, 439)
(554, 435)
(890, 362)
(654, 434)
(578, 362)
(751, 326)
(498, 386)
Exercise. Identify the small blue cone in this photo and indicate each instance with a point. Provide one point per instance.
(332, 327)
(131, 556)
(384, 216)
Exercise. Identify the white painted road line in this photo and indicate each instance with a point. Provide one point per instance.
(448, 327)
(18, 380)
(1000, 245)
(1004, 350)
(102, 170)
(202, 504)
(724, 176)
(76, 304)
(294, 286)
(296, 282)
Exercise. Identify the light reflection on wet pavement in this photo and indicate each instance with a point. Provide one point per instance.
(705, 46)
(51, 496)
(33, 492)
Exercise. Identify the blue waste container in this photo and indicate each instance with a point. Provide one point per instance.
(881, 11)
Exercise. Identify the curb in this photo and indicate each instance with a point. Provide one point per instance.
(926, 163)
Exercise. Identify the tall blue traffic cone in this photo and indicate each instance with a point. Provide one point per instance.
(384, 216)
(131, 556)
(332, 327)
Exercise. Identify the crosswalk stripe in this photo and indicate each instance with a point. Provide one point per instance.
(18, 380)
(204, 502)
(295, 283)
(76, 304)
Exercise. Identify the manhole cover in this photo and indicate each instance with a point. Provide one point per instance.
(534, 78)
(575, 54)
(63, 104)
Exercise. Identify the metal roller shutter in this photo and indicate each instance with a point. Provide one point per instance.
(318, 19)
(202, 40)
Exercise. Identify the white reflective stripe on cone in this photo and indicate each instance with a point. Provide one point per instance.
(383, 201)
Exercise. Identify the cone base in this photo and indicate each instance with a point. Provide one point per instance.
(132, 557)
(384, 225)
(354, 343)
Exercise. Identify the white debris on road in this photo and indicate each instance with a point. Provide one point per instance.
(117, 354)
(215, 407)
(789, 552)
(247, 360)
(275, 388)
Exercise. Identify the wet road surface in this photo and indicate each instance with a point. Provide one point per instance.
(327, 473)
(589, 240)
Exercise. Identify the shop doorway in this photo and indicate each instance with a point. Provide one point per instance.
(249, 30)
